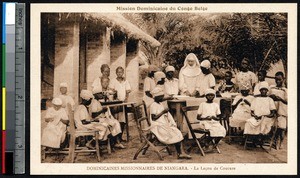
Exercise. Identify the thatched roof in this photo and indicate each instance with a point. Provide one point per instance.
(120, 22)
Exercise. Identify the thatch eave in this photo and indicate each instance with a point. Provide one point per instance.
(121, 23)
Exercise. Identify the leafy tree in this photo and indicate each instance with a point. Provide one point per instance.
(261, 37)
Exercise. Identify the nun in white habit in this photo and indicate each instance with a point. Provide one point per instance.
(189, 76)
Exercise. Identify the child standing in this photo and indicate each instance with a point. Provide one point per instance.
(245, 77)
(226, 85)
(207, 80)
(122, 88)
(207, 114)
(242, 111)
(279, 94)
(163, 124)
(261, 78)
(120, 85)
(57, 119)
(67, 100)
(262, 111)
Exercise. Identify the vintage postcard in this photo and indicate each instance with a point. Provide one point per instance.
(163, 89)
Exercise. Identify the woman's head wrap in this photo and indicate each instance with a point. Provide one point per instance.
(86, 94)
(170, 68)
(157, 91)
(57, 101)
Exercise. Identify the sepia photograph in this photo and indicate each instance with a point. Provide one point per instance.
(162, 89)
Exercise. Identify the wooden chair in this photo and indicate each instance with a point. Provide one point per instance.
(57, 151)
(205, 133)
(232, 132)
(267, 140)
(74, 133)
(140, 116)
(147, 138)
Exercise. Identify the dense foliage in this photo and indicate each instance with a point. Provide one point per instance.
(221, 38)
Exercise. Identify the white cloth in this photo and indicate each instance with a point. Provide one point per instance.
(96, 86)
(105, 118)
(121, 87)
(242, 111)
(164, 128)
(171, 86)
(245, 78)
(86, 94)
(169, 69)
(206, 82)
(282, 93)
(214, 127)
(149, 85)
(280, 106)
(256, 90)
(66, 99)
(55, 131)
(81, 113)
(189, 75)
(261, 106)
(57, 101)
(158, 76)
(255, 127)
(208, 109)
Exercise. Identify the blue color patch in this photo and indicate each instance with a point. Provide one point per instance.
(3, 23)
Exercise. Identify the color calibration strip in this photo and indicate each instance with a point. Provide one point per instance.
(13, 88)
(3, 148)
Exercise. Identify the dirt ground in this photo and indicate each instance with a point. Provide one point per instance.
(230, 153)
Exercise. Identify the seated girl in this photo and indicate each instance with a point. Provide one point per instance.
(208, 114)
(262, 111)
(163, 125)
(241, 105)
(57, 119)
(102, 115)
(84, 121)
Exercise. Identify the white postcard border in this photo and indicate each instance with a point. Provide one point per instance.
(36, 167)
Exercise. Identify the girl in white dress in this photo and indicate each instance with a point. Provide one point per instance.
(242, 111)
(67, 100)
(103, 116)
(279, 94)
(149, 85)
(245, 76)
(189, 76)
(163, 125)
(208, 114)
(105, 72)
(171, 83)
(83, 119)
(206, 79)
(57, 119)
(262, 110)
(122, 89)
